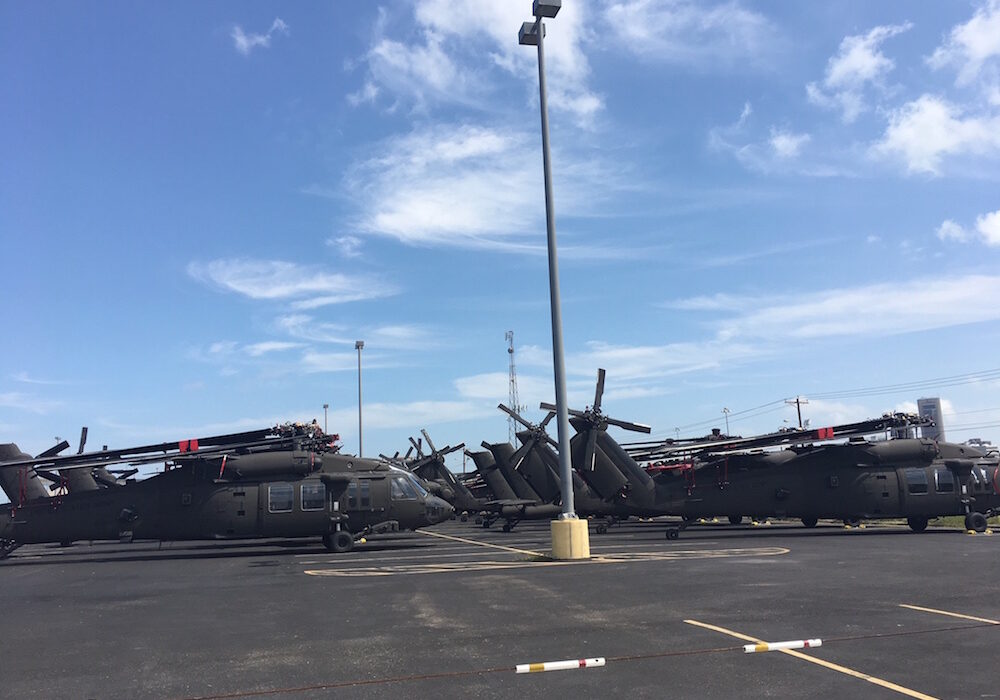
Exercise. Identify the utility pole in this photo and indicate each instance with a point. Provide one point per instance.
(798, 401)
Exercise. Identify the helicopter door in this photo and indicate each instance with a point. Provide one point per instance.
(227, 514)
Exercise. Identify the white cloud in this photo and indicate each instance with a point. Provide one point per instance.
(245, 43)
(453, 32)
(988, 226)
(307, 287)
(921, 133)
(468, 186)
(367, 94)
(857, 64)
(24, 378)
(691, 33)
(778, 153)
(972, 45)
(950, 231)
(786, 144)
(313, 362)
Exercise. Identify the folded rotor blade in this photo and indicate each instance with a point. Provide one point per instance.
(83, 440)
(428, 438)
(54, 450)
(515, 416)
(551, 407)
(635, 427)
(600, 390)
(590, 454)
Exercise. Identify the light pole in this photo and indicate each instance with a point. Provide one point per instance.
(359, 346)
(726, 411)
(570, 538)
(326, 427)
(533, 34)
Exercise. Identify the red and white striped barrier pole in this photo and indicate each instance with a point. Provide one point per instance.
(777, 646)
(560, 665)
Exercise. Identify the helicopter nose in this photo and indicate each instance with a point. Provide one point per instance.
(438, 510)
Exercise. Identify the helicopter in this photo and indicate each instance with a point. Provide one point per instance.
(801, 474)
(279, 482)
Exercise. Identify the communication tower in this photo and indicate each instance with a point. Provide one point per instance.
(512, 399)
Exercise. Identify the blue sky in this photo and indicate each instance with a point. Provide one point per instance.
(204, 205)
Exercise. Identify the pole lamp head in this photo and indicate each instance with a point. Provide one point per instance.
(359, 345)
(527, 36)
(546, 8)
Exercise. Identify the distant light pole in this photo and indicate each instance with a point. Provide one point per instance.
(726, 411)
(359, 346)
(326, 427)
(533, 34)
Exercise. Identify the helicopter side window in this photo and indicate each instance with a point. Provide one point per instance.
(366, 494)
(280, 497)
(916, 480)
(402, 489)
(944, 481)
(313, 496)
(352, 495)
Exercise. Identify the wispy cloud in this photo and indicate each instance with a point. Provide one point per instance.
(858, 64)
(24, 378)
(245, 43)
(922, 133)
(469, 186)
(348, 246)
(972, 46)
(692, 33)
(778, 152)
(889, 309)
(31, 404)
(305, 287)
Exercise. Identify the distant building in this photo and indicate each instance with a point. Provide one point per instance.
(931, 408)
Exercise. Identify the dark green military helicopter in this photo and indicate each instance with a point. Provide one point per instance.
(287, 481)
(791, 474)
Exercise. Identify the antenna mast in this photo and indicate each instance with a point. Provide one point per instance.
(512, 399)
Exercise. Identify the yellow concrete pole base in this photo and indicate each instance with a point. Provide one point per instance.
(570, 539)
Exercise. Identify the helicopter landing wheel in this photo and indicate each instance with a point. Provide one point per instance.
(601, 529)
(673, 533)
(976, 522)
(507, 527)
(917, 523)
(340, 541)
(735, 519)
(810, 521)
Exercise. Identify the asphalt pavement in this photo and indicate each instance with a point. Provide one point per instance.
(449, 612)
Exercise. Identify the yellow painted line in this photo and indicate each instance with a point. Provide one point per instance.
(951, 614)
(526, 552)
(820, 662)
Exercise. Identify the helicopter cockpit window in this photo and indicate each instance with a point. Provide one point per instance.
(402, 489)
(352, 495)
(916, 480)
(279, 498)
(313, 496)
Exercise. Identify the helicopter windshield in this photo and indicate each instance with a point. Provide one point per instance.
(416, 484)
